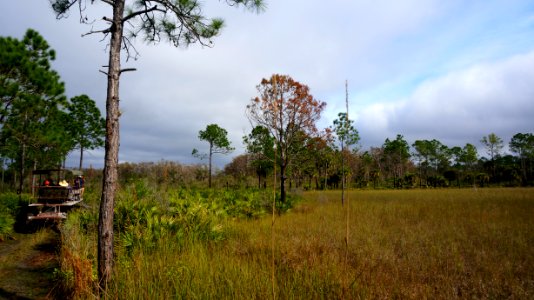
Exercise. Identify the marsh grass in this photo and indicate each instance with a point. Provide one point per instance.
(403, 244)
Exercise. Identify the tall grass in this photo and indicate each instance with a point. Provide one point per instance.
(403, 244)
(77, 274)
(440, 243)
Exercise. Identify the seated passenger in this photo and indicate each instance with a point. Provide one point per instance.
(78, 182)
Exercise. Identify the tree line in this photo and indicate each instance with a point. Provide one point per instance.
(425, 163)
(39, 126)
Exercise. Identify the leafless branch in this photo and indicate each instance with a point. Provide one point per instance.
(83, 18)
(105, 31)
(127, 70)
(105, 36)
(127, 45)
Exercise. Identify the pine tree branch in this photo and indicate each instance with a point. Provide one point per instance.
(104, 31)
(128, 70)
(141, 12)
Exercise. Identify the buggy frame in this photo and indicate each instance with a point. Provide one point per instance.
(50, 198)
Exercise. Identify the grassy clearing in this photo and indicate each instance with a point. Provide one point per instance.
(403, 244)
(409, 244)
(439, 243)
(27, 263)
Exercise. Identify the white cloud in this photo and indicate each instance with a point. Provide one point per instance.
(470, 103)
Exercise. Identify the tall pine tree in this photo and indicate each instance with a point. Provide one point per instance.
(182, 23)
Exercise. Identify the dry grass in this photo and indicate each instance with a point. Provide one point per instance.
(77, 258)
(413, 244)
(403, 244)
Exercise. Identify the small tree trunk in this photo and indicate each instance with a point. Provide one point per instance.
(3, 171)
(110, 176)
(342, 174)
(524, 178)
(325, 176)
(282, 183)
(209, 168)
(22, 166)
(33, 183)
(81, 157)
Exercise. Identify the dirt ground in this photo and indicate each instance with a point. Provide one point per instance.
(27, 264)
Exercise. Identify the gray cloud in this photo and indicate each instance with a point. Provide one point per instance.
(425, 69)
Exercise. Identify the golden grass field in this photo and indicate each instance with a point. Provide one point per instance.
(408, 244)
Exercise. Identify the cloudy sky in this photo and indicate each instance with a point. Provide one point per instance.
(450, 70)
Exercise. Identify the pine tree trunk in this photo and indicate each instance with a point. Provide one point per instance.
(22, 166)
(209, 168)
(109, 184)
(81, 157)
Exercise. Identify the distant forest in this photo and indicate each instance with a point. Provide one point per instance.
(397, 164)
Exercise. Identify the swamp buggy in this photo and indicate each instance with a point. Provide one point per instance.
(54, 192)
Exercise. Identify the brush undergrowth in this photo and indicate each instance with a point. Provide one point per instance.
(12, 208)
(180, 243)
(148, 220)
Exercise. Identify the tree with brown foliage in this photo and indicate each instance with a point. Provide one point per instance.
(287, 109)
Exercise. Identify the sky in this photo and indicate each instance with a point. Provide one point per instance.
(450, 70)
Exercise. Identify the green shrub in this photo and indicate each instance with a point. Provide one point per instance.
(10, 201)
(13, 209)
(291, 200)
(141, 218)
(6, 224)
